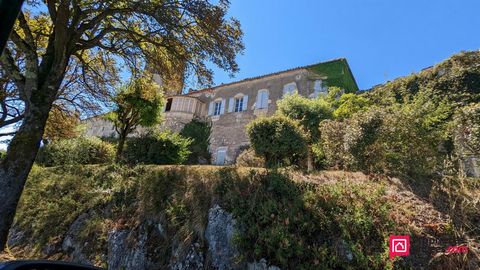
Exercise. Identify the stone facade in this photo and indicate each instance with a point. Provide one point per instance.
(230, 107)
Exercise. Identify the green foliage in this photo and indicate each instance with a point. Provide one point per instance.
(83, 150)
(301, 226)
(349, 104)
(467, 121)
(308, 112)
(248, 158)
(337, 74)
(456, 80)
(278, 139)
(392, 141)
(138, 103)
(157, 148)
(330, 150)
(199, 132)
(3, 153)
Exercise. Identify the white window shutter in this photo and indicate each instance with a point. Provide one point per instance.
(231, 102)
(210, 108)
(222, 107)
(245, 103)
(264, 101)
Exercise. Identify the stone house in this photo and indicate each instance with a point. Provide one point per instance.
(230, 107)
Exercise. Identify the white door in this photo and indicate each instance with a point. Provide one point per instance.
(221, 155)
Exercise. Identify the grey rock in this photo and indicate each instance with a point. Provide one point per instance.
(73, 246)
(261, 265)
(219, 235)
(193, 260)
(124, 254)
(16, 237)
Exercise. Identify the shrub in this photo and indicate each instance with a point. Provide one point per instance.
(308, 112)
(330, 151)
(278, 139)
(299, 226)
(157, 148)
(468, 129)
(247, 158)
(83, 150)
(3, 153)
(199, 132)
(360, 137)
(349, 104)
(392, 140)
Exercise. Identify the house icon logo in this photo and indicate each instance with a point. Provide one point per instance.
(399, 245)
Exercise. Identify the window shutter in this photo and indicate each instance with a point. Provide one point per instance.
(264, 101)
(210, 108)
(245, 103)
(222, 107)
(231, 102)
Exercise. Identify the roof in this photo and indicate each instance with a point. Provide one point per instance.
(311, 67)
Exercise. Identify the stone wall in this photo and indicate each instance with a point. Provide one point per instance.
(228, 129)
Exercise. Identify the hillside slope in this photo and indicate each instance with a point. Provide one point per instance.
(201, 217)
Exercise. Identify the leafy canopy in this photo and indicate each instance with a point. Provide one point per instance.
(278, 139)
(138, 103)
(308, 112)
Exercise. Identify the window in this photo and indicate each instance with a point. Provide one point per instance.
(262, 99)
(319, 89)
(238, 104)
(168, 107)
(289, 88)
(217, 108)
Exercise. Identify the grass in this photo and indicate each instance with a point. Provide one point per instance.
(292, 220)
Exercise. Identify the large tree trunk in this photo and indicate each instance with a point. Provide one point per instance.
(21, 154)
(121, 143)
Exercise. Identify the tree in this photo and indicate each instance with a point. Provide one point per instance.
(278, 139)
(309, 113)
(199, 131)
(61, 124)
(138, 104)
(72, 52)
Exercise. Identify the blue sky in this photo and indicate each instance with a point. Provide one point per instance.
(381, 39)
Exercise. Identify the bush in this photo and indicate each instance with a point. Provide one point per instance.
(302, 226)
(83, 150)
(330, 151)
(157, 148)
(247, 158)
(468, 130)
(3, 153)
(392, 140)
(199, 132)
(278, 139)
